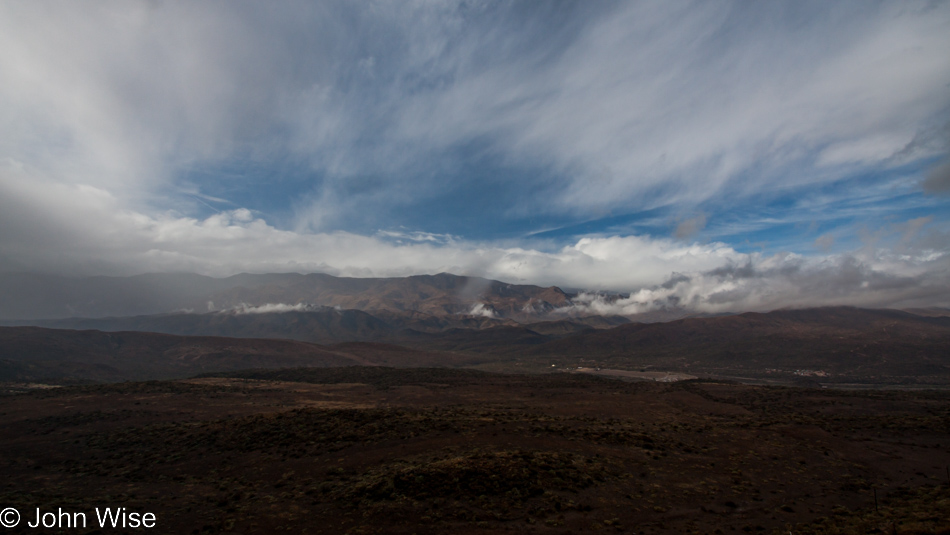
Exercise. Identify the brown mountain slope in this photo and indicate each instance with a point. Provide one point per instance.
(559, 328)
(437, 295)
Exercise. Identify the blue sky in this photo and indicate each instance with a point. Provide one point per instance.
(601, 145)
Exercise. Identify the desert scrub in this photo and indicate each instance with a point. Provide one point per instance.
(298, 432)
(921, 511)
(480, 476)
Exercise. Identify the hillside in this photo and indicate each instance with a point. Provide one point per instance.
(837, 340)
(36, 355)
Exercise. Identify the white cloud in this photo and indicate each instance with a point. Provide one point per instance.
(479, 309)
(269, 308)
(81, 230)
(781, 281)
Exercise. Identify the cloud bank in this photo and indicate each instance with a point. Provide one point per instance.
(784, 281)
(907, 265)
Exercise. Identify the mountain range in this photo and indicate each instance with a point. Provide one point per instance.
(34, 296)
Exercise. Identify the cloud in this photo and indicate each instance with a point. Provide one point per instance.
(270, 308)
(400, 236)
(611, 106)
(480, 309)
(938, 179)
(87, 233)
(82, 230)
(784, 281)
(676, 115)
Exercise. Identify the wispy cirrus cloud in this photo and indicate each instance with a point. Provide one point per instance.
(629, 105)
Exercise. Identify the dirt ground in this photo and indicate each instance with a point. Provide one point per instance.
(421, 453)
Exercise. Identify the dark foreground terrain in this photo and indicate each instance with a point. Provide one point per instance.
(380, 450)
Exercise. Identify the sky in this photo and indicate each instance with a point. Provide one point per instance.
(721, 156)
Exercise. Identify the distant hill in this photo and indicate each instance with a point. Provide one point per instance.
(35, 354)
(935, 312)
(32, 354)
(840, 340)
